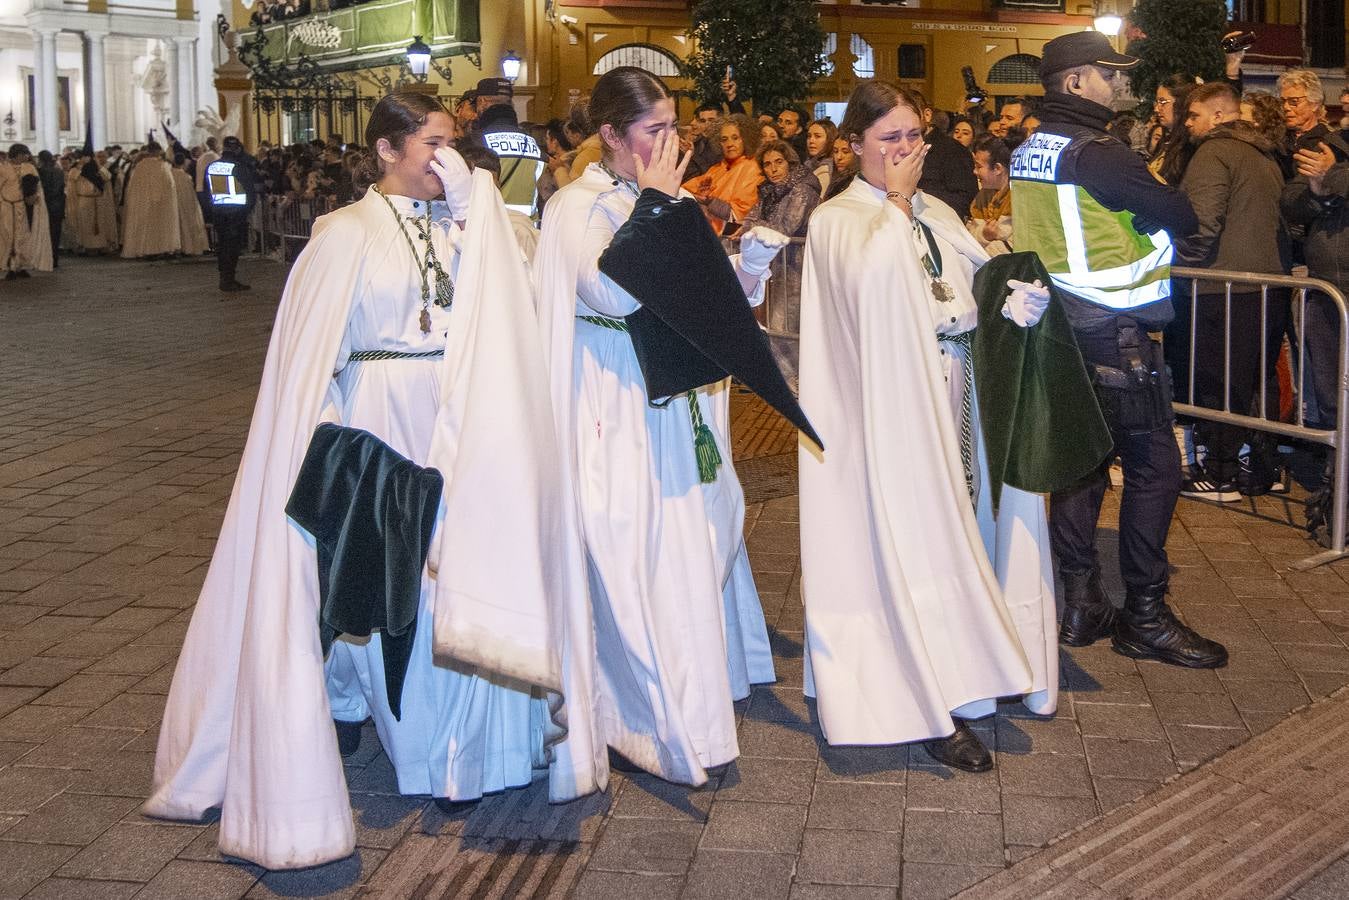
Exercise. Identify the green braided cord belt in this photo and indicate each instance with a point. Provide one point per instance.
(965, 340)
(377, 355)
(704, 444)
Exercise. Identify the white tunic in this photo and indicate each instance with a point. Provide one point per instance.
(150, 210)
(248, 723)
(678, 624)
(915, 608)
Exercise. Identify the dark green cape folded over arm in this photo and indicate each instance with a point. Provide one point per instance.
(371, 512)
(1042, 427)
(695, 326)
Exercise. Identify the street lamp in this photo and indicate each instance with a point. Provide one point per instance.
(419, 58)
(510, 66)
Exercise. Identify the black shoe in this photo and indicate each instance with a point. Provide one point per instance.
(348, 736)
(620, 763)
(962, 750)
(1148, 629)
(1088, 614)
(231, 287)
(1257, 478)
(1202, 486)
(453, 808)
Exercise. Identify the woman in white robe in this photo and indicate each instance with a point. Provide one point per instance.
(680, 631)
(921, 608)
(250, 720)
(191, 225)
(150, 208)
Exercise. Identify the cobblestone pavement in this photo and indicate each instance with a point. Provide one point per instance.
(127, 389)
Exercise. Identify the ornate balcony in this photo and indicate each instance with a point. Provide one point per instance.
(358, 35)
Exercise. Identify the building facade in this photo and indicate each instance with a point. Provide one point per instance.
(357, 50)
(115, 69)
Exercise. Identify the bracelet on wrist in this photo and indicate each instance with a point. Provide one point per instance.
(891, 195)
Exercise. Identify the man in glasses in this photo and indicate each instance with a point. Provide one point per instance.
(1313, 205)
(1304, 114)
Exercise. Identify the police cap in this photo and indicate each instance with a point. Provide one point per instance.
(1082, 48)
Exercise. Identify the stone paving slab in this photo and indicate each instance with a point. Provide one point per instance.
(128, 391)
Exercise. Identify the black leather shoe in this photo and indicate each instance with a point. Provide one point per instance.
(620, 763)
(962, 750)
(231, 287)
(348, 736)
(1148, 629)
(453, 808)
(1088, 614)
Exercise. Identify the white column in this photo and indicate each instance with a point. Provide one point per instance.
(184, 92)
(96, 90)
(171, 69)
(48, 123)
(40, 114)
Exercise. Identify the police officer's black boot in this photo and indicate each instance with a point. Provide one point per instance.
(1147, 629)
(1088, 614)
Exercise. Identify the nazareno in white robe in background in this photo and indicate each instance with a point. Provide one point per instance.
(679, 629)
(150, 210)
(248, 725)
(32, 239)
(191, 225)
(916, 607)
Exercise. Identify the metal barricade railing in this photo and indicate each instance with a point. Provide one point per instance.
(1336, 438)
(780, 312)
(280, 226)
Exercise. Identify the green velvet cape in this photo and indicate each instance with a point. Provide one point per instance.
(1042, 426)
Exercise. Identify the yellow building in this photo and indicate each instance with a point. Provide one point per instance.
(565, 45)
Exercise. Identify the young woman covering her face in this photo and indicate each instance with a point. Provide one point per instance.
(679, 630)
(361, 341)
(915, 622)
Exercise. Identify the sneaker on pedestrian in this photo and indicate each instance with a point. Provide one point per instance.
(1203, 486)
(1257, 479)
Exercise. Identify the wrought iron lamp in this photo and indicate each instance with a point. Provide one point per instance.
(1107, 21)
(510, 66)
(10, 133)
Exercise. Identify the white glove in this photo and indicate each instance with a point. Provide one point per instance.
(1026, 303)
(457, 179)
(758, 247)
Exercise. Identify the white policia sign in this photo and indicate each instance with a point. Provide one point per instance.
(224, 188)
(512, 143)
(1038, 157)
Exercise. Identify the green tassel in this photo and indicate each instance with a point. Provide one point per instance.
(704, 444)
(709, 457)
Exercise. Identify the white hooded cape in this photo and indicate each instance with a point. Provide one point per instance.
(150, 210)
(247, 725)
(915, 607)
(680, 632)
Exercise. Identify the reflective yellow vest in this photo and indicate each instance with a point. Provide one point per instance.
(1090, 251)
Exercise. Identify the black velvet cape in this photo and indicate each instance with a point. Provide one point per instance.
(695, 326)
(371, 512)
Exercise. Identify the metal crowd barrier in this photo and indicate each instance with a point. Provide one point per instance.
(280, 226)
(1336, 438)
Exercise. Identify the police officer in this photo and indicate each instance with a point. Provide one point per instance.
(1101, 224)
(232, 183)
(522, 161)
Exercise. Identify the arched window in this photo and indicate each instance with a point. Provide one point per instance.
(655, 60)
(1019, 68)
(864, 58)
